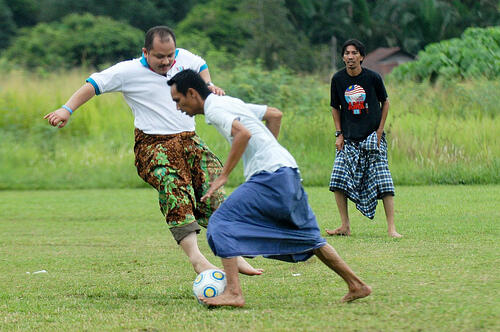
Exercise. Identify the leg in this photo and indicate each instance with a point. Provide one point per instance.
(389, 214)
(205, 169)
(190, 246)
(233, 295)
(345, 228)
(357, 288)
(245, 268)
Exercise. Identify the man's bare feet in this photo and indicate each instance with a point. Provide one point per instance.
(339, 231)
(245, 268)
(226, 298)
(203, 266)
(394, 234)
(358, 293)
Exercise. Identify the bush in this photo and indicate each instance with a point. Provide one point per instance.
(475, 54)
(7, 25)
(76, 40)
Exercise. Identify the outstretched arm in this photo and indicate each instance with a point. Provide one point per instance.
(61, 116)
(273, 120)
(205, 74)
(241, 136)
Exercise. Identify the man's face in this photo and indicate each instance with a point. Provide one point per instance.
(188, 103)
(161, 56)
(352, 57)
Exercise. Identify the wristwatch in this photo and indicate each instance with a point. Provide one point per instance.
(338, 133)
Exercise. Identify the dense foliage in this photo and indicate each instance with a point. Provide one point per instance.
(77, 40)
(475, 54)
(301, 34)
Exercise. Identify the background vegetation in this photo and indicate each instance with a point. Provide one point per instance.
(442, 128)
(437, 134)
(291, 32)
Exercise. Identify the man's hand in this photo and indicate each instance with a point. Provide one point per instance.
(339, 142)
(219, 182)
(58, 118)
(379, 136)
(216, 90)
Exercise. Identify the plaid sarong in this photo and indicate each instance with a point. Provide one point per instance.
(361, 171)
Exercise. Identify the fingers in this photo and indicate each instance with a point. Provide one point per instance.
(218, 91)
(56, 120)
(206, 196)
(52, 118)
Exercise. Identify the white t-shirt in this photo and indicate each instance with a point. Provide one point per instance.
(148, 94)
(263, 152)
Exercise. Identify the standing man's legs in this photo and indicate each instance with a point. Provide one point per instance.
(389, 214)
(345, 228)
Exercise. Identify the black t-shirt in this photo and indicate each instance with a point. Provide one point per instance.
(359, 99)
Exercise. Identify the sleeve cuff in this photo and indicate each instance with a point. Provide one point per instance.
(94, 84)
(202, 68)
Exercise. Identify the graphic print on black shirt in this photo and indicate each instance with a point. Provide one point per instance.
(359, 100)
(355, 97)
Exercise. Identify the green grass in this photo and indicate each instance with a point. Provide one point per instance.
(444, 134)
(113, 265)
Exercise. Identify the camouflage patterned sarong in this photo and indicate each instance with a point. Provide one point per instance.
(180, 167)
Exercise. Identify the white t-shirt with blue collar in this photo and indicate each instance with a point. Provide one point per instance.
(263, 152)
(148, 94)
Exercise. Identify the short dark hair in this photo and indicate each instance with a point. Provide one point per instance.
(356, 43)
(163, 32)
(189, 79)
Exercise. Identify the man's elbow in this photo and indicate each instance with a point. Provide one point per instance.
(273, 113)
(245, 135)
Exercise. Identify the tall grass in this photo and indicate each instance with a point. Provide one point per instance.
(437, 134)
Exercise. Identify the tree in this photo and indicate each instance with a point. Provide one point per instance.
(76, 40)
(140, 14)
(220, 21)
(274, 39)
(7, 25)
(475, 54)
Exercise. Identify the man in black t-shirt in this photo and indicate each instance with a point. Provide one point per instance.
(361, 172)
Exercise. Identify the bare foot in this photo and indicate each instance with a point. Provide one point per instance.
(339, 231)
(395, 234)
(203, 266)
(225, 298)
(245, 268)
(358, 293)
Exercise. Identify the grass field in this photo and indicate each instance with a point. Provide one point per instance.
(112, 265)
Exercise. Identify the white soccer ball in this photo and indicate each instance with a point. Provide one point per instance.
(209, 283)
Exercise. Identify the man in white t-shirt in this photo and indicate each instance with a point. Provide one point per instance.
(168, 153)
(268, 214)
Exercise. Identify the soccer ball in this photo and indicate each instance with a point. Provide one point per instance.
(209, 283)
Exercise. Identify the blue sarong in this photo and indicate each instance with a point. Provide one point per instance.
(269, 216)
